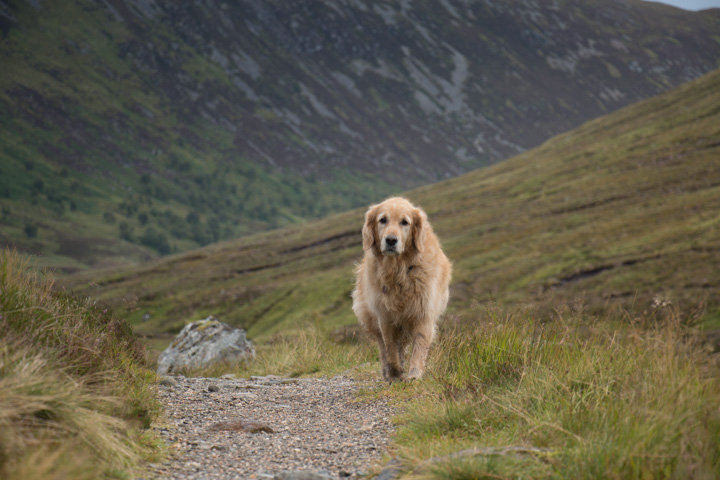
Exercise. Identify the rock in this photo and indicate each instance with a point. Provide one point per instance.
(249, 426)
(167, 381)
(252, 386)
(270, 380)
(203, 343)
(391, 470)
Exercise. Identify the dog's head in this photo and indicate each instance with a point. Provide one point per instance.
(394, 227)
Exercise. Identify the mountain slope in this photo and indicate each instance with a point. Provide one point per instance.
(623, 210)
(136, 128)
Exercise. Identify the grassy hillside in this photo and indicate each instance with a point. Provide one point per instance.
(624, 210)
(75, 390)
(131, 130)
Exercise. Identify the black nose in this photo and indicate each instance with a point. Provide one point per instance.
(391, 240)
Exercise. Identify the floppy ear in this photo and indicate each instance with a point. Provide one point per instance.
(419, 229)
(369, 231)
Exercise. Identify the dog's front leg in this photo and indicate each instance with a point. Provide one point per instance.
(383, 358)
(421, 346)
(392, 370)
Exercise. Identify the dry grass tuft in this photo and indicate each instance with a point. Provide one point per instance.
(74, 388)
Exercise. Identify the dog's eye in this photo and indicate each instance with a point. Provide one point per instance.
(405, 222)
(383, 220)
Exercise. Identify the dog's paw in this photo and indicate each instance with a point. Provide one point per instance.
(415, 374)
(392, 374)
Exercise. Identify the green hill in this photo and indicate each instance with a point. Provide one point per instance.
(624, 210)
(133, 129)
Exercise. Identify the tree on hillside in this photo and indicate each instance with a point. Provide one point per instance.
(156, 240)
(30, 230)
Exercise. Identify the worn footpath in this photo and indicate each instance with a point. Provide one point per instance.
(270, 427)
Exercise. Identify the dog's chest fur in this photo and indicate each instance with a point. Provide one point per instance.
(401, 287)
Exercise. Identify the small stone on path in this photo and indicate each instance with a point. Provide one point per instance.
(250, 426)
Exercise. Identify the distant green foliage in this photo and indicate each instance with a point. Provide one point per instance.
(156, 240)
(30, 230)
(192, 218)
(108, 217)
(125, 231)
(198, 206)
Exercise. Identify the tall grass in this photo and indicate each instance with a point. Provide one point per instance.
(599, 399)
(310, 350)
(74, 388)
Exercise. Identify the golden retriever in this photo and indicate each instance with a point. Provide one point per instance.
(402, 284)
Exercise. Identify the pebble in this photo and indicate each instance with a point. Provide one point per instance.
(316, 429)
(167, 381)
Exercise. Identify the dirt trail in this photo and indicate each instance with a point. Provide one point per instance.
(318, 427)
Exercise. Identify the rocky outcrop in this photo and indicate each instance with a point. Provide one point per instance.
(203, 343)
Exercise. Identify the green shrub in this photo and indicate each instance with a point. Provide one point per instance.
(30, 230)
(109, 217)
(125, 231)
(155, 240)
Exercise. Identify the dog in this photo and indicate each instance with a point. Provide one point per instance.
(402, 285)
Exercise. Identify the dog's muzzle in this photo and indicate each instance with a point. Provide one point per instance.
(390, 244)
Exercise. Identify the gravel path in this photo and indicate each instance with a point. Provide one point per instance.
(318, 425)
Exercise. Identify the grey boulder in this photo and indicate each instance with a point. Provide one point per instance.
(203, 343)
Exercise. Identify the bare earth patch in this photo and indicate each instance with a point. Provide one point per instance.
(318, 426)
